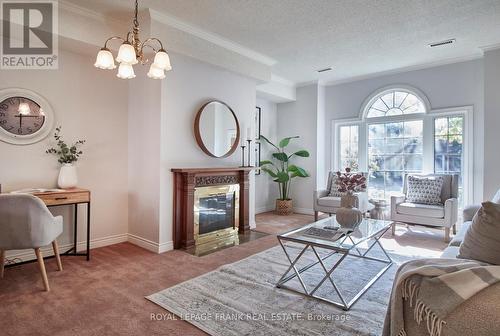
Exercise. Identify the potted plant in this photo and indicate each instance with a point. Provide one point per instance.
(66, 156)
(283, 172)
(348, 183)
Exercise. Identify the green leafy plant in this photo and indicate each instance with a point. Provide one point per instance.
(65, 153)
(280, 168)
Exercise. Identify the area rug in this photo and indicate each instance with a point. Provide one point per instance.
(241, 298)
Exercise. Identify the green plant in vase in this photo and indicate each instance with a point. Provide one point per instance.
(283, 172)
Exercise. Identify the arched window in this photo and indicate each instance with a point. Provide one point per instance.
(392, 102)
(397, 134)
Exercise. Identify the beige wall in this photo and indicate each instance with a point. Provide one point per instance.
(95, 110)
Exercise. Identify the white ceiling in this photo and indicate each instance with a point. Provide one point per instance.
(354, 37)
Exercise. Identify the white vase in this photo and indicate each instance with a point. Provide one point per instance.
(67, 176)
(348, 216)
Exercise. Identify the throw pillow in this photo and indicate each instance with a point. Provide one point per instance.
(424, 189)
(334, 188)
(482, 239)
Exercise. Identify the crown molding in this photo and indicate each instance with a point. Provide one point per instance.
(211, 37)
(71, 7)
(490, 47)
(422, 66)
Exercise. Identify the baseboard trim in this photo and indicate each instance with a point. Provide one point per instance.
(263, 209)
(303, 211)
(150, 245)
(47, 251)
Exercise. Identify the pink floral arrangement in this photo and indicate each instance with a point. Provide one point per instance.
(350, 182)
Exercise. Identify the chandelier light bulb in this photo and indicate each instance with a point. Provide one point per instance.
(24, 109)
(105, 60)
(156, 72)
(162, 60)
(125, 71)
(126, 54)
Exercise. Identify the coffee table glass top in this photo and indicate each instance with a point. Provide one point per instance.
(328, 232)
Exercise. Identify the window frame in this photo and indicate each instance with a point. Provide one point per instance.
(427, 139)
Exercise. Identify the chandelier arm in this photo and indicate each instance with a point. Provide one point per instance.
(111, 39)
(144, 44)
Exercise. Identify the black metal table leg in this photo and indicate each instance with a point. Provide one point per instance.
(88, 231)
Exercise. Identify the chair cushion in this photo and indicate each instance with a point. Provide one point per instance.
(482, 240)
(422, 210)
(424, 190)
(329, 201)
(459, 237)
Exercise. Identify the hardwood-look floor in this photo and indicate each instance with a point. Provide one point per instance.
(106, 295)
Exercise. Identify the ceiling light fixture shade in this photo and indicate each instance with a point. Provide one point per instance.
(156, 72)
(127, 54)
(162, 60)
(24, 109)
(125, 71)
(132, 52)
(105, 60)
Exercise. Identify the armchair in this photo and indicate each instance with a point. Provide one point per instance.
(443, 215)
(325, 203)
(25, 223)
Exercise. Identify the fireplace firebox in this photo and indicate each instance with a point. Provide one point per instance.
(216, 214)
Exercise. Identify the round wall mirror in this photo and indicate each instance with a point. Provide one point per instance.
(216, 129)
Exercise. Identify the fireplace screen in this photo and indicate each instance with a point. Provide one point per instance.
(216, 212)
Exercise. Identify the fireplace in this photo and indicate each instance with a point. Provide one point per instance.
(216, 214)
(210, 206)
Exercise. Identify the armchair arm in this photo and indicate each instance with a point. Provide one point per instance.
(395, 200)
(469, 212)
(450, 212)
(319, 194)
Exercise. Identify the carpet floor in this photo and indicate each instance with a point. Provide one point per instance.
(106, 295)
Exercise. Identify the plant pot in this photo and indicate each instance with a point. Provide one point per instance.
(284, 207)
(348, 216)
(67, 176)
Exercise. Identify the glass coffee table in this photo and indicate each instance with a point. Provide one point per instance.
(327, 236)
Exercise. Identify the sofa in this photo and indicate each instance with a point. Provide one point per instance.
(479, 315)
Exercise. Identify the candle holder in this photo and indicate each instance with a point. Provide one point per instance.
(249, 152)
(242, 155)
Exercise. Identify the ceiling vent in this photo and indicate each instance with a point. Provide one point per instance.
(324, 70)
(442, 43)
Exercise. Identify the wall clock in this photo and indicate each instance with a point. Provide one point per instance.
(25, 116)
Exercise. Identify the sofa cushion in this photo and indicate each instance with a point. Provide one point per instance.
(424, 190)
(459, 237)
(329, 201)
(482, 240)
(451, 252)
(423, 210)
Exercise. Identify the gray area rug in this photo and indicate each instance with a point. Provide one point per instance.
(241, 298)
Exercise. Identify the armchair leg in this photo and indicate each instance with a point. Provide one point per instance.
(393, 228)
(454, 229)
(55, 247)
(447, 235)
(2, 261)
(42, 268)
(315, 216)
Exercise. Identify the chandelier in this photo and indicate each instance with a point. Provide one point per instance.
(131, 52)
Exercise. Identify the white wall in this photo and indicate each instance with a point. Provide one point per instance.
(300, 118)
(266, 190)
(491, 122)
(86, 108)
(453, 85)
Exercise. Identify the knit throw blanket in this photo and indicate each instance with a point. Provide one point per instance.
(434, 288)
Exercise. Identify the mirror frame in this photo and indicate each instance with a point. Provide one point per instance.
(199, 139)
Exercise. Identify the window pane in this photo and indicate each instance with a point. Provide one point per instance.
(413, 163)
(376, 163)
(441, 126)
(395, 103)
(414, 128)
(393, 183)
(379, 105)
(440, 145)
(348, 147)
(376, 131)
(376, 181)
(388, 99)
(394, 130)
(413, 146)
(456, 126)
(376, 146)
(394, 162)
(399, 97)
(455, 144)
(394, 146)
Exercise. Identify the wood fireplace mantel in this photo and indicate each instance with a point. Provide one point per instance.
(185, 182)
